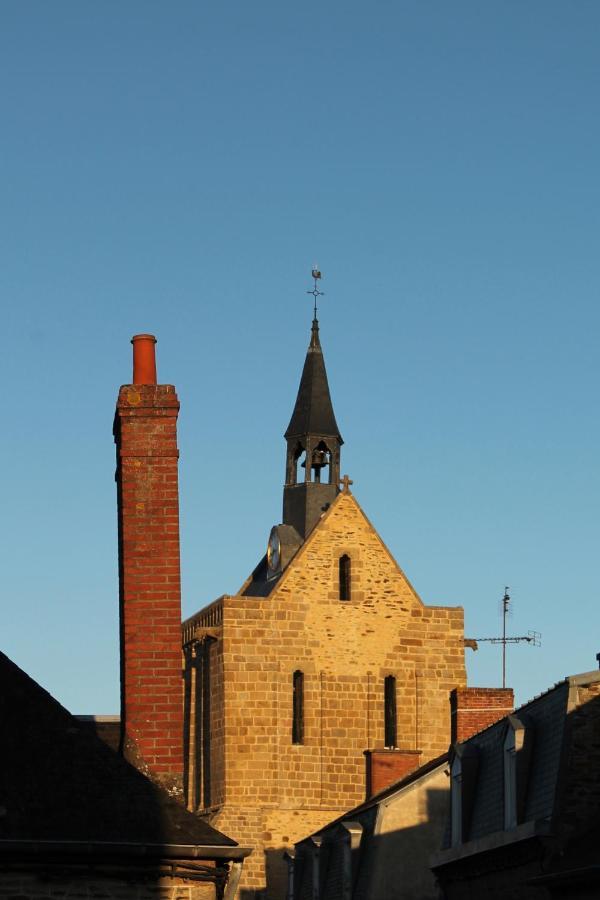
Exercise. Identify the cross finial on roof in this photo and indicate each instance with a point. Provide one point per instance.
(346, 481)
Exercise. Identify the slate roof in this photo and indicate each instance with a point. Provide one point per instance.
(258, 584)
(548, 717)
(60, 782)
(313, 412)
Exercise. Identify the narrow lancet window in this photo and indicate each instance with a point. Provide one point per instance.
(389, 689)
(345, 577)
(298, 708)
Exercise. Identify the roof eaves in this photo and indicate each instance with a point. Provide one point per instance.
(128, 849)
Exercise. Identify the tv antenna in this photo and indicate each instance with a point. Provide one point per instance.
(532, 637)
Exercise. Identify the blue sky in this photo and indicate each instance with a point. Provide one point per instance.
(177, 168)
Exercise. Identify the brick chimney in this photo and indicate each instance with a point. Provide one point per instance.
(145, 431)
(472, 709)
(385, 767)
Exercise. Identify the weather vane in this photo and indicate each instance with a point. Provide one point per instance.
(315, 291)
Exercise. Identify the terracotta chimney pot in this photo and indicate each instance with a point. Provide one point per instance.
(144, 359)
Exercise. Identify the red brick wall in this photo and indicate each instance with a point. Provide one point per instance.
(473, 709)
(384, 767)
(150, 590)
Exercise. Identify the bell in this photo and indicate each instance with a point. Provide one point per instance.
(319, 459)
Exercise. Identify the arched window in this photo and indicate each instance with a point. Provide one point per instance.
(298, 708)
(345, 577)
(321, 458)
(389, 700)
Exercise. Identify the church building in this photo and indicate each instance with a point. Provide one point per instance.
(326, 677)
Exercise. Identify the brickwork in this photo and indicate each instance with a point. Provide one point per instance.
(345, 649)
(473, 709)
(384, 767)
(151, 665)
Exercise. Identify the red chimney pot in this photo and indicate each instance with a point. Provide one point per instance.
(144, 359)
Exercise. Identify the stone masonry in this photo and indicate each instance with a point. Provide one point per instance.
(243, 770)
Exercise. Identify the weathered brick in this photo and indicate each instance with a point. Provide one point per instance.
(147, 454)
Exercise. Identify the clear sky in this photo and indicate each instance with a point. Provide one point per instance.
(178, 168)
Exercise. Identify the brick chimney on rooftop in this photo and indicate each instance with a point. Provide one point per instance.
(472, 709)
(145, 431)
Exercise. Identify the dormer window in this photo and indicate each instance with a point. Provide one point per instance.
(517, 755)
(510, 779)
(463, 787)
(456, 801)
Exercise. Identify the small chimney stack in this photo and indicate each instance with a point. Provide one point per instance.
(145, 432)
(472, 709)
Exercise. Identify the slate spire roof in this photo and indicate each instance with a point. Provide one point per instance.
(313, 412)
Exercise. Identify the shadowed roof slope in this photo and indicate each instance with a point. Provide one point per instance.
(59, 782)
(313, 412)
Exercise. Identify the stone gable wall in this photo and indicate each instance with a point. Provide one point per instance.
(345, 649)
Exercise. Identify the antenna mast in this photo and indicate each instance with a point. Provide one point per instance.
(532, 637)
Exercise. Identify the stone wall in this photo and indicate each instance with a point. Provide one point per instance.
(204, 710)
(410, 828)
(276, 792)
(50, 884)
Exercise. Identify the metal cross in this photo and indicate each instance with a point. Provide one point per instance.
(346, 482)
(315, 291)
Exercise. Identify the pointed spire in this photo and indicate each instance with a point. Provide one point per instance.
(315, 343)
(313, 441)
(313, 412)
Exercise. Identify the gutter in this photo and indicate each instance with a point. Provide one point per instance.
(120, 849)
(490, 842)
(585, 875)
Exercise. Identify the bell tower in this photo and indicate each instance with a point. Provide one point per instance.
(313, 445)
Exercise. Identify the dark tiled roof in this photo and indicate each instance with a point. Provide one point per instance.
(546, 715)
(258, 585)
(313, 412)
(109, 732)
(60, 782)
